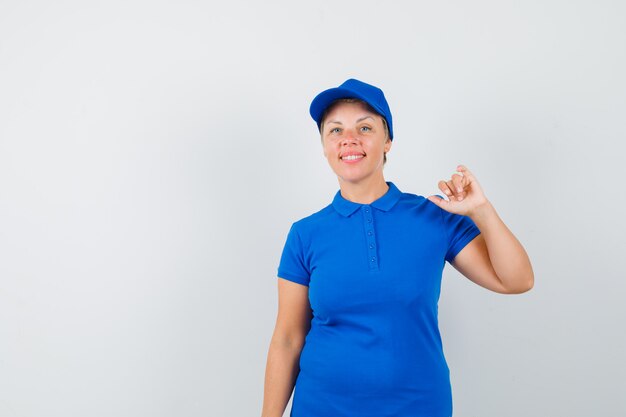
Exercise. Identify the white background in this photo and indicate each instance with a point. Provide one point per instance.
(153, 156)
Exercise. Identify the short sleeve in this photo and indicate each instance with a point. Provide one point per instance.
(292, 264)
(460, 230)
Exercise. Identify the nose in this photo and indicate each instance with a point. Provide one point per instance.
(350, 138)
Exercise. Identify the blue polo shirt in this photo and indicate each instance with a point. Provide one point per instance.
(374, 276)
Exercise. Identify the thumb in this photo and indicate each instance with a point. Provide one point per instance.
(437, 200)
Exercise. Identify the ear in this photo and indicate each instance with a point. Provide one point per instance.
(388, 145)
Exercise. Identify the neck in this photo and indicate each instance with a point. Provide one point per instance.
(363, 192)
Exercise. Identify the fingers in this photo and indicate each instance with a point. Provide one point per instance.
(466, 172)
(457, 183)
(446, 188)
(455, 187)
(462, 184)
(450, 190)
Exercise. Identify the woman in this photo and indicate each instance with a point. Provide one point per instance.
(359, 281)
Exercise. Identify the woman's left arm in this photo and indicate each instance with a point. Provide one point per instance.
(495, 259)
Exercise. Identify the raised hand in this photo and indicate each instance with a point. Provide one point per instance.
(464, 193)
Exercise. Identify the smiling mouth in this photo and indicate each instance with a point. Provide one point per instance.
(352, 157)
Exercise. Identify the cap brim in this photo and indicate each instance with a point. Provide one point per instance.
(321, 102)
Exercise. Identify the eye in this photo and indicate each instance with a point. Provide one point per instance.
(365, 128)
(335, 130)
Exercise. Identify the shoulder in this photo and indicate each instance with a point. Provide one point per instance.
(313, 220)
(418, 204)
(413, 199)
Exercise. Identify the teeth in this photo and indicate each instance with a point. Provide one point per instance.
(352, 157)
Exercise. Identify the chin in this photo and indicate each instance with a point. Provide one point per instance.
(352, 179)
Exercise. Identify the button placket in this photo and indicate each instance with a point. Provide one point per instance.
(368, 224)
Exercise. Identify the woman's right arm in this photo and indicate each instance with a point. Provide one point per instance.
(292, 325)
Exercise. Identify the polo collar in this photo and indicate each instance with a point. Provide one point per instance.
(384, 203)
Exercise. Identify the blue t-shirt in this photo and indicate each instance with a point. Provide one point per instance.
(374, 276)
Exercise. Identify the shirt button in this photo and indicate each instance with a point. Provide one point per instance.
(369, 233)
(373, 259)
(367, 210)
(369, 220)
(371, 246)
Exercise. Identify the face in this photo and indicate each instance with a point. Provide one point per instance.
(354, 142)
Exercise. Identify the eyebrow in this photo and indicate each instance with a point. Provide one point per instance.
(359, 120)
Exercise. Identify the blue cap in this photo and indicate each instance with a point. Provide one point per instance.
(352, 89)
